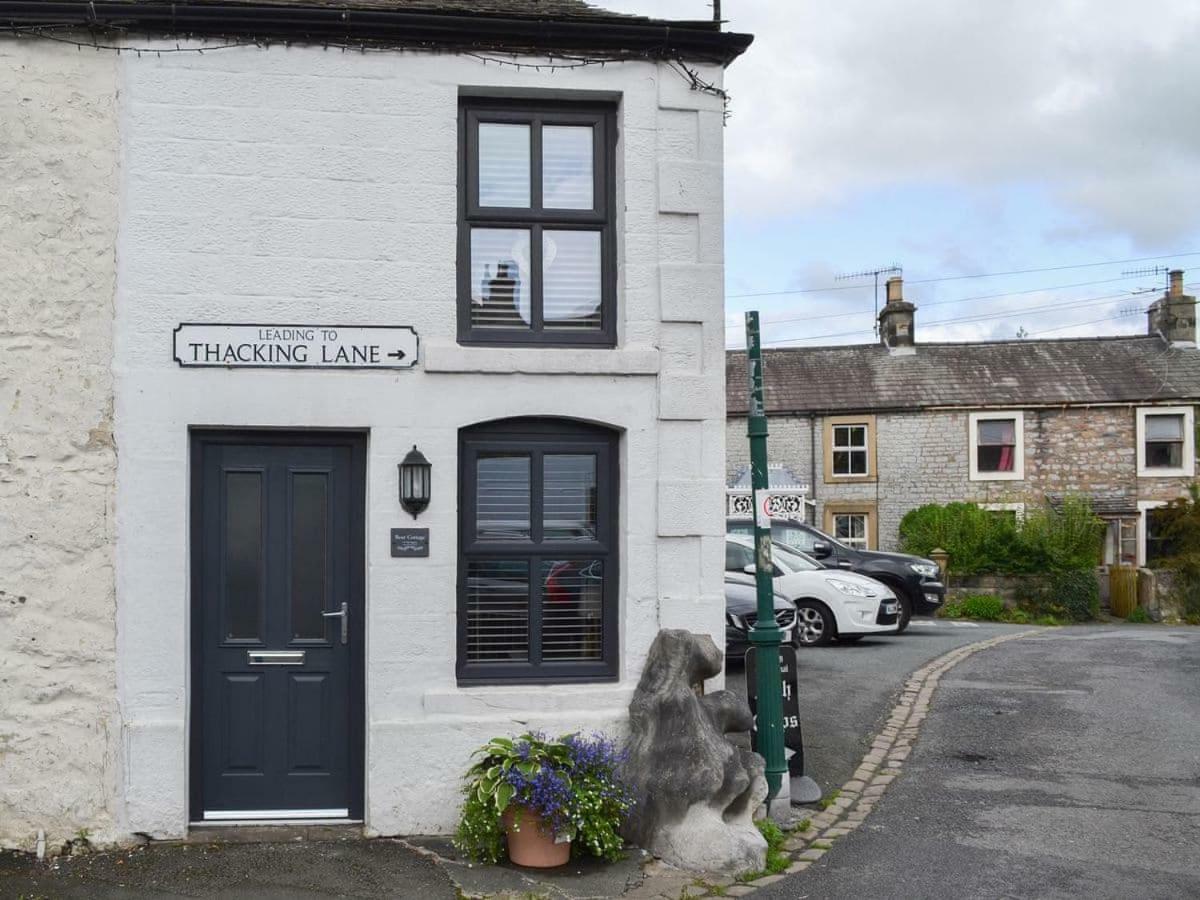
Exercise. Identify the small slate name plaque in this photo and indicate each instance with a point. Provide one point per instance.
(410, 542)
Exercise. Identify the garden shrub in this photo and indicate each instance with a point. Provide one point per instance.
(1139, 616)
(1076, 592)
(982, 543)
(982, 606)
(1180, 527)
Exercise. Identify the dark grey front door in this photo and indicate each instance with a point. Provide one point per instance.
(277, 696)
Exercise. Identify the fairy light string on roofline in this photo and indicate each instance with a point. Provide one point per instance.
(62, 34)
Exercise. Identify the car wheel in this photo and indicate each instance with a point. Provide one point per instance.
(905, 614)
(814, 624)
(850, 638)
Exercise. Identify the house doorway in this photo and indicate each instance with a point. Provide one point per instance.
(277, 626)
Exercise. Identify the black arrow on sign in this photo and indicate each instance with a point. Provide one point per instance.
(397, 356)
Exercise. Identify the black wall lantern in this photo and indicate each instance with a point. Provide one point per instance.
(414, 481)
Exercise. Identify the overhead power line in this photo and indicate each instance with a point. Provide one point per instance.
(1005, 314)
(924, 305)
(1087, 265)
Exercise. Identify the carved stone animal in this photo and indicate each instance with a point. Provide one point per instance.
(696, 792)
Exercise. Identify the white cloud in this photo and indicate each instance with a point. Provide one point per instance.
(1093, 100)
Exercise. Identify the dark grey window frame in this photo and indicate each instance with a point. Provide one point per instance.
(538, 437)
(602, 216)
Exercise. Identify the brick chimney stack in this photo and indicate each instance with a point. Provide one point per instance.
(896, 321)
(1173, 315)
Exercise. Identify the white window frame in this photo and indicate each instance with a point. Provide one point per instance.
(1188, 469)
(1018, 470)
(866, 538)
(1143, 506)
(865, 449)
(1017, 508)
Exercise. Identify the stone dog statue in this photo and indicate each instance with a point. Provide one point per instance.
(696, 792)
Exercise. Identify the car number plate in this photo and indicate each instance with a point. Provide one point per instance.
(889, 608)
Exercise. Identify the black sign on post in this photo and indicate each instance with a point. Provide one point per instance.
(410, 542)
(793, 736)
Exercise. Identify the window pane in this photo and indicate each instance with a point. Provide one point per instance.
(567, 167)
(571, 279)
(309, 577)
(569, 498)
(737, 557)
(995, 459)
(841, 462)
(1164, 454)
(243, 554)
(997, 431)
(572, 604)
(500, 283)
(1158, 545)
(503, 165)
(1164, 428)
(502, 497)
(498, 611)
(850, 436)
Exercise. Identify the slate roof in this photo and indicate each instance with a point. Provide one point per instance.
(865, 378)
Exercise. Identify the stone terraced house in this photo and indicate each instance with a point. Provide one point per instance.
(361, 396)
(876, 430)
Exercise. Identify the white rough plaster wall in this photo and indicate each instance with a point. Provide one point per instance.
(58, 222)
(304, 186)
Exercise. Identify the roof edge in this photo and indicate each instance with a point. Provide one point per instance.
(648, 38)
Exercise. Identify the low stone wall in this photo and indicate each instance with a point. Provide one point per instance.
(1009, 588)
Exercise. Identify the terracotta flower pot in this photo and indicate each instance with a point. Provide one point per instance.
(534, 845)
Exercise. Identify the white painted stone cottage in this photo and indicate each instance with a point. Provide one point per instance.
(240, 287)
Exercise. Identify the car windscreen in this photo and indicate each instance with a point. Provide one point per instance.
(791, 561)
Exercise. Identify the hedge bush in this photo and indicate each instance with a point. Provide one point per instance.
(982, 606)
(980, 542)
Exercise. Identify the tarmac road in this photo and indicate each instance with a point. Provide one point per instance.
(847, 690)
(1062, 765)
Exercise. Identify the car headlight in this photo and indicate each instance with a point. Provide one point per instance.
(929, 570)
(736, 621)
(849, 587)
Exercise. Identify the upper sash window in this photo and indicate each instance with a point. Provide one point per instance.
(536, 243)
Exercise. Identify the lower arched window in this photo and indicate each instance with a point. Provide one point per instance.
(537, 568)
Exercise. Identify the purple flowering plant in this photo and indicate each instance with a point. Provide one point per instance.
(569, 787)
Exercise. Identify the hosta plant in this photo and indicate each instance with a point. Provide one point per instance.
(568, 786)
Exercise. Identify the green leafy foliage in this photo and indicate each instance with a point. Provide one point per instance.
(777, 858)
(983, 542)
(569, 786)
(1179, 525)
(1139, 616)
(982, 606)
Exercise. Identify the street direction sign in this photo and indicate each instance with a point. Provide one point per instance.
(265, 346)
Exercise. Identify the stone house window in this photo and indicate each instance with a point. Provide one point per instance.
(1165, 443)
(849, 444)
(1152, 545)
(851, 522)
(851, 529)
(850, 450)
(997, 446)
(536, 235)
(537, 565)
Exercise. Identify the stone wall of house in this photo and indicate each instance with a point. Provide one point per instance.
(923, 457)
(58, 222)
(300, 186)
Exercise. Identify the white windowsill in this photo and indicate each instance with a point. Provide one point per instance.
(540, 360)
(488, 701)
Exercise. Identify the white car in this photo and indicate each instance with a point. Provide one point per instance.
(830, 604)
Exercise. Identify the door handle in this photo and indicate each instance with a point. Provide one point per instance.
(344, 614)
